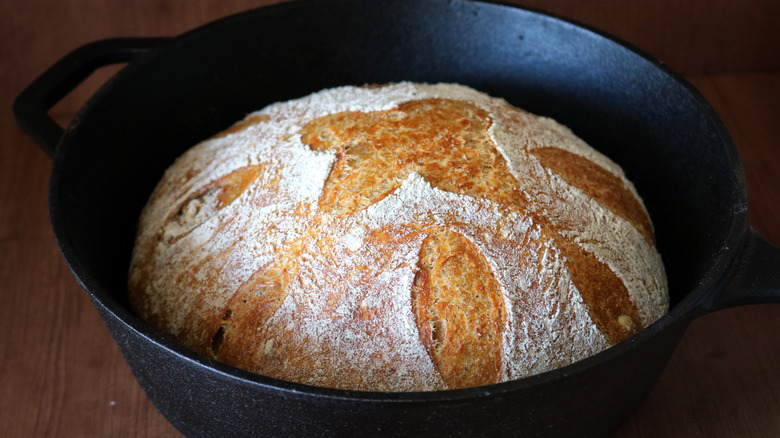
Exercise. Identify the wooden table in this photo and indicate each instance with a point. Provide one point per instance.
(61, 374)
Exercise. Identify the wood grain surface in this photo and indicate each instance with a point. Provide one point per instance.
(62, 376)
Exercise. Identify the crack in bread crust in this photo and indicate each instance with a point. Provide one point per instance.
(443, 140)
(599, 184)
(462, 331)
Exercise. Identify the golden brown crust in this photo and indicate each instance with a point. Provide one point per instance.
(599, 184)
(461, 331)
(444, 141)
(607, 299)
(441, 239)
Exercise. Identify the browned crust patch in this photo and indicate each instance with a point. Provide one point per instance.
(459, 309)
(248, 311)
(605, 295)
(445, 141)
(209, 199)
(599, 184)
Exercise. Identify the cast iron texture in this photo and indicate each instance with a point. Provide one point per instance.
(177, 92)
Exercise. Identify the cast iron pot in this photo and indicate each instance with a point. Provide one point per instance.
(175, 92)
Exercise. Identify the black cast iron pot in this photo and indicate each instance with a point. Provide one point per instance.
(176, 92)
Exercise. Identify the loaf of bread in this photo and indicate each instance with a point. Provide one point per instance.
(403, 237)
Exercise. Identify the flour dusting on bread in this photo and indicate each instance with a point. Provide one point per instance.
(331, 239)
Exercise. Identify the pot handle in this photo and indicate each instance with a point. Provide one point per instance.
(754, 277)
(33, 103)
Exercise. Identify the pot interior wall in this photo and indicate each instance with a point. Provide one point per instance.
(670, 145)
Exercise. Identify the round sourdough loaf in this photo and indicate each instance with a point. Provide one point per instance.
(401, 237)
